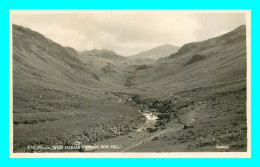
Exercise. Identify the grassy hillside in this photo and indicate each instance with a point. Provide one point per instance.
(203, 83)
(213, 61)
(57, 98)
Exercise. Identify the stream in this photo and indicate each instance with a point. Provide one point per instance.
(151, 119)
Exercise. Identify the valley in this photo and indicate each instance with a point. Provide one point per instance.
(189, 101)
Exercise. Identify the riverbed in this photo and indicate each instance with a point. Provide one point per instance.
(151, 119)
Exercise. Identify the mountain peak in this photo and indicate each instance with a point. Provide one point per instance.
(157, 52)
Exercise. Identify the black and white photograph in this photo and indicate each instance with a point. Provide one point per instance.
(130, 83)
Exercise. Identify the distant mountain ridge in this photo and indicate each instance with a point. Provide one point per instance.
(104, 53)
(157, 52)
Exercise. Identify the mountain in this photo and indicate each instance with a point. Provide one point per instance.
(157, 52)
(219, 59)
(104, 53)
(57, 98)
(39, 58)
(204, 87)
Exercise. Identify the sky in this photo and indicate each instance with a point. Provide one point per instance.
(128, 32)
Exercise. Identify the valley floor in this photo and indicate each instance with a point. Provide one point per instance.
(200, 119)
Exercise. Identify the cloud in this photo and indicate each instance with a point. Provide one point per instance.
(126, 31)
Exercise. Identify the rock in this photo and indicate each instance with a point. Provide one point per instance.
(155, 138)
(188, 126)
(152, 129)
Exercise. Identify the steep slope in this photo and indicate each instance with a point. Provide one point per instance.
(157, 52)
(202, 88)
(57, 99)
(216, 60)
(33, 54)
